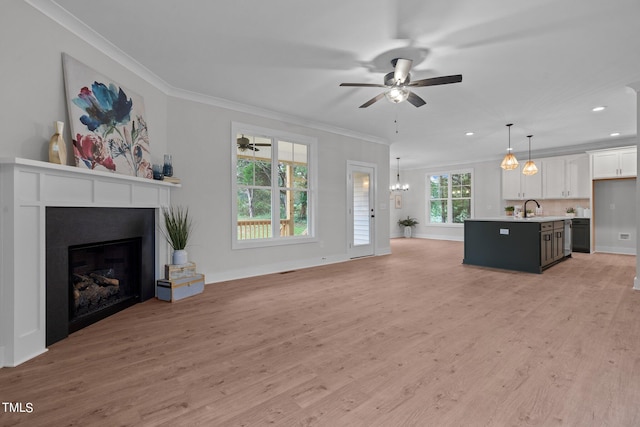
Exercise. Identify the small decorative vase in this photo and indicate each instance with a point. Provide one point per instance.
(407, 232)
(168, 166)
(158, 172)
(179, 257)
(57, 146)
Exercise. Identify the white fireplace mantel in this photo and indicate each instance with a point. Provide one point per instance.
(27, 188)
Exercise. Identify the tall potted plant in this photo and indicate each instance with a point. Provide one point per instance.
(178, 226)
(407, 223)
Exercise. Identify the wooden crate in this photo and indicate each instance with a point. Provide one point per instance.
(178, 271)
(177, 289)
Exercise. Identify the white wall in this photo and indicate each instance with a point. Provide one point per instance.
(197, 135)
(201, 144)
(33, 96)
(615, 215)
(486, 199)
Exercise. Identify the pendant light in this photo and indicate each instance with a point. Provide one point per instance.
(530, 168)
(509, 162)
(397, 186)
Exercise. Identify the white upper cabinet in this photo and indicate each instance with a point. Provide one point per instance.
(517, 186)
(614, 163)
(566, 177)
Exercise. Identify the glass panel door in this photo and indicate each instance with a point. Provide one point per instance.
(361, 210)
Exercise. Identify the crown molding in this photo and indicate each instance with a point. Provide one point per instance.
(75, 26)
(270, 114)
(567, 150)
(635, 86)
(64, 18)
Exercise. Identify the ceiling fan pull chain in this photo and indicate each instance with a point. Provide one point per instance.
(396, 120)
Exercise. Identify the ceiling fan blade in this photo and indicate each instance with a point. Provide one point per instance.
(444, 80)
(372, 100)
(362, 84)
(403, 66)
(261, 145)
(416, 100)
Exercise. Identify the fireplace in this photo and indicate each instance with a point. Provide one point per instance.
(33, 196)
(99, 262)
(104, 278)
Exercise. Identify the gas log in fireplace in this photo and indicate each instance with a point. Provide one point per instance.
(104, 278)
(99, 261)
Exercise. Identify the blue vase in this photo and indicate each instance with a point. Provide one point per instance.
(168, 166)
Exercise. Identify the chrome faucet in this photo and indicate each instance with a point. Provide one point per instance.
(524, 207)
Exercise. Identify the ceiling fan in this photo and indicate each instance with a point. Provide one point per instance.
(245, 144)
(398, 83)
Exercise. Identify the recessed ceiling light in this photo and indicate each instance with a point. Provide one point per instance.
(469, 133)
(600, 108)
(614, 134)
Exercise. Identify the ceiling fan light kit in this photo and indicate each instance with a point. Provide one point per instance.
(398, 82)
(509, 162)
(397, 94)
(530, 167)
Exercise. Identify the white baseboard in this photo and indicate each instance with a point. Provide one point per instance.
(440, 237)
(615, 250)
(260, 270)
(383, 251)
(431, 236)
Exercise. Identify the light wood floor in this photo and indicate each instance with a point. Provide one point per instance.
(411, 339)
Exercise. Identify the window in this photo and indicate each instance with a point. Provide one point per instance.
(450, 197)
(272, 187)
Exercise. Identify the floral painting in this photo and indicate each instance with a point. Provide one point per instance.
(108, 127)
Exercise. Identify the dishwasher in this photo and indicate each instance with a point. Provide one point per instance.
(581, 235)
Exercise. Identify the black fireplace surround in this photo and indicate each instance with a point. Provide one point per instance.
(68, 227)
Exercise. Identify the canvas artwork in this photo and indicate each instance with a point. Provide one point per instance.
(108, 125)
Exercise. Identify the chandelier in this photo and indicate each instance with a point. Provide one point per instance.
(397, 186)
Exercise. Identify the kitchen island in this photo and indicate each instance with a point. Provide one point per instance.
(521, 244)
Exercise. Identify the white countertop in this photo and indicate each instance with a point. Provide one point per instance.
(529, 219)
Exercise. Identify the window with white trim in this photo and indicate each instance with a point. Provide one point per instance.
(450, 197)
(272, 187)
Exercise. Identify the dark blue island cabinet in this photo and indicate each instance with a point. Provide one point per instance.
(529, 245)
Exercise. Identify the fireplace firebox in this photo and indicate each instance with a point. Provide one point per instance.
(104, 278)
(99, 261)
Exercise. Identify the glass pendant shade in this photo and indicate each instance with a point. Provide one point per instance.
(530, 168)
(509, 162)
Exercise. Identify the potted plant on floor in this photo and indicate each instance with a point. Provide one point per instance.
(407, 223)
(177, 230)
